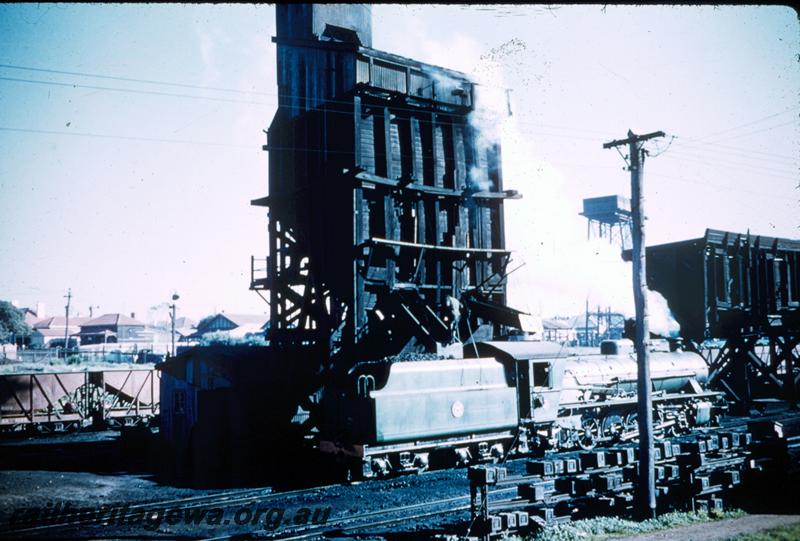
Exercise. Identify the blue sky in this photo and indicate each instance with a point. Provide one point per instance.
(127, 189)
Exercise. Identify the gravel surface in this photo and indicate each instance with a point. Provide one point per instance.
(86, 471)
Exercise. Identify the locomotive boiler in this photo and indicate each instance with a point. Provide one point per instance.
(508, 398)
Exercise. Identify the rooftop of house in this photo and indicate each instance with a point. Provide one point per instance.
(236, 319)
(54, 322)
(55, 332)
(112, 320)
(246, 319)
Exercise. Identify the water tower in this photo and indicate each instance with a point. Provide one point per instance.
(609, 217)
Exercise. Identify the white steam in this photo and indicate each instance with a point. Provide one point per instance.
(563, 270)
(661, 320)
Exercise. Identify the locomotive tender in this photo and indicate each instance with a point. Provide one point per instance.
(410, 415)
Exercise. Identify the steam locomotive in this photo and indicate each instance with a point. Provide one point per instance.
(502, 399)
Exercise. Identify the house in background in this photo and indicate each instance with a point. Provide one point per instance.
(111, 329)
(50, 331)
(601, 326)
(232, 325)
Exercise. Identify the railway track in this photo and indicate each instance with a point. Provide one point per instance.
(421, 511)
(347, 524)
(377, 518)
(226, 499)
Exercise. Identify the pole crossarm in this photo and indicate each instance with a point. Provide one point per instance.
(633, 138)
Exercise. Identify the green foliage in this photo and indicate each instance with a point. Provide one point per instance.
(601, 528)
(222, 338)
(790, 532)
(12, 323)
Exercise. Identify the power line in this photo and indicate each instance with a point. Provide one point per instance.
(660, 152)
(132, 80)
(182, 85)
(770, 157)
(739, 151)
(123, 137)
(308, 150)
(129, 90)
(682, 155)
(758, 131)
(719, 186)
(227, 100)
(219, 89)
(230, 100)
(699, 140)
(191, 96)
(757, 121)
(249, 147)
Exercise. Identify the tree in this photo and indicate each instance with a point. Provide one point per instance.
(12, 323)
(222, 338)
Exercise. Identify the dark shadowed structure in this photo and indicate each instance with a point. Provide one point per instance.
(383, 199)
(744, 290)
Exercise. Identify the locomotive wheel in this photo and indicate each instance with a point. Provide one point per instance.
(631, 424)
(612, 426)
(590, 433)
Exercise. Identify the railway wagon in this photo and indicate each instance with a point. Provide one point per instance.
(511, 397)
(61, 401)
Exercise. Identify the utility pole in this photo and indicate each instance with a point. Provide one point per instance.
(599, 319)
(68, 296)
(175, 297)
(647, 482)
(586, 328)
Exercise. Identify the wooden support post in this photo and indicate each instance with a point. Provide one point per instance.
(646, 489)
(644, 388)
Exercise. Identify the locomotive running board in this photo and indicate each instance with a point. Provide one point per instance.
(633, 401)
(365, 451)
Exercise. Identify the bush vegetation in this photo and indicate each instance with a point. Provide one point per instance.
(602, 528)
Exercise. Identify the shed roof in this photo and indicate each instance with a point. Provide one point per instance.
(556, 324)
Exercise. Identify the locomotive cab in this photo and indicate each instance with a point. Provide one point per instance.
(539, 384)
(538, 373)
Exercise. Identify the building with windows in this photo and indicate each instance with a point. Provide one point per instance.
(111, 329)
(232, 325)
